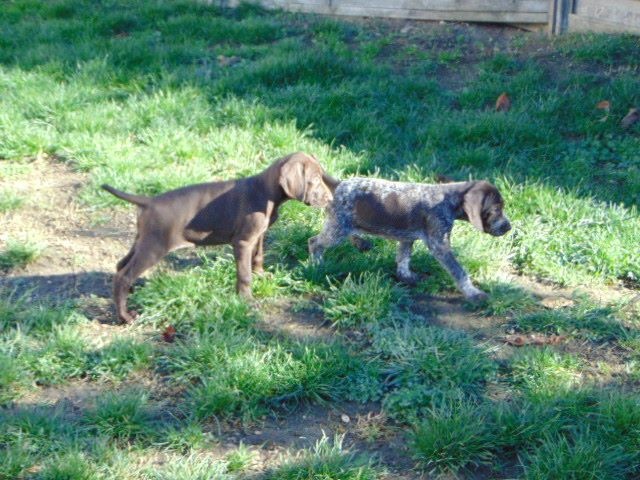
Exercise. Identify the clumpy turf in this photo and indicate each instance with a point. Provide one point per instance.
(153, 95)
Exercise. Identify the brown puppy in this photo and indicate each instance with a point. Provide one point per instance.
(233, 211)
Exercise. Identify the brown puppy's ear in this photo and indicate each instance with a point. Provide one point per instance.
(472, 206)
(292, 179)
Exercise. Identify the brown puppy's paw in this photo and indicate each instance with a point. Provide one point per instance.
(129, 317)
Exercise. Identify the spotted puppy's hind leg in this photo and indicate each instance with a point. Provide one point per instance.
(403, 258)
(332, 234)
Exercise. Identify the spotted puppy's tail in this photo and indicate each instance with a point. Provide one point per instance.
(139, 200)
(330, 182)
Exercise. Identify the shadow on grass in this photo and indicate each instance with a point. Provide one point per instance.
(58, 288)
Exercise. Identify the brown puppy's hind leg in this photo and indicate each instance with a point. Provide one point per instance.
(140, 260)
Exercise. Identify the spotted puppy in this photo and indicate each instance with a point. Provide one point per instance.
(407, 212)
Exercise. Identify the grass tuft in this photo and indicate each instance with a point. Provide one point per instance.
(366, 299)
(17, 254)
(121, 416)
(545, 372)
(452, 437)
(582, 456)
(328, 460)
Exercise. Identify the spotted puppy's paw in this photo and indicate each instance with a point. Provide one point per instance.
(474, 295)
(360, 243)
(409, 278)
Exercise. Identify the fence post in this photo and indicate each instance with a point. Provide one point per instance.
(559, 16)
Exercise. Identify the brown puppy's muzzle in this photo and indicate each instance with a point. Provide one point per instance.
(318, 196)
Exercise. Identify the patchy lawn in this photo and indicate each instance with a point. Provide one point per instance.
(335, 371)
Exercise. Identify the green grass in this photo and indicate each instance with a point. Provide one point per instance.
(546, 372)
(10, 201)
(425, 365)
(121, 415)
(328, 460)
(451, 437)
(17, 254)
(586, 319)
(143, 95)
(582, 457)
(367, 299)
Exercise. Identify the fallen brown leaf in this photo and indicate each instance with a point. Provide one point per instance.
(534, 339)
(225, 61)
(556, 302)
(630, 118)
(516, 340)
(169, 334)
(503, 103)
(604, 105)
(555, 339)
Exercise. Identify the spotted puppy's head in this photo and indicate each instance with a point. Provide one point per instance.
(483, 207)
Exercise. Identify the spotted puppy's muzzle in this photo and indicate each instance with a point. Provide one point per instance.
(500, 227)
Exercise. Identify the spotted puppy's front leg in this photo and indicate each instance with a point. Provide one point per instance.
(403, 258)
(441, 249)
(331, 235)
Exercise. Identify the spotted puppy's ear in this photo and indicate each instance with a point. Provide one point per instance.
(292, 178)
(472, 206)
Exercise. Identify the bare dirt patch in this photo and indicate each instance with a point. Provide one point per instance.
(79, 255)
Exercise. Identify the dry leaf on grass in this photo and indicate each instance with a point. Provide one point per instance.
(534, 339)
(630, 118)
(225, 61)
(169, 334)
(556, 302)
(503, 103)
(604, 105)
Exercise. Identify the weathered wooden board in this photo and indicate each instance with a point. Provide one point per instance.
(451, 5)
(560, 15)
(605, 16)
(507, 11)
(595, 16)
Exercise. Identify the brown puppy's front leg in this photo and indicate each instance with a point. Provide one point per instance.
(243, 251)
(257, 260)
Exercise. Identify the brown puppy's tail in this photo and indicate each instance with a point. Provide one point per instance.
(139, 200)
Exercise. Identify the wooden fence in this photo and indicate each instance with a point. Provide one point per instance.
(558, 16)
(595, 15)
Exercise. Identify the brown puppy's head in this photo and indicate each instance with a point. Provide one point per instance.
(483, 206)
(301, 177)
